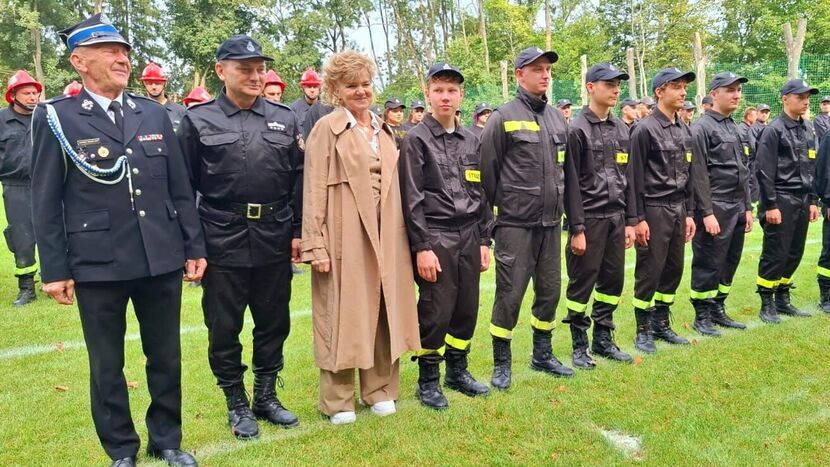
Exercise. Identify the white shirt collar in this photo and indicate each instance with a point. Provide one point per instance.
(105, 102)
(353, 120)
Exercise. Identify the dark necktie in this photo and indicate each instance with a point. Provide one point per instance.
(115, 107)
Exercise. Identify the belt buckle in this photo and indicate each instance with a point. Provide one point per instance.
(254, 211)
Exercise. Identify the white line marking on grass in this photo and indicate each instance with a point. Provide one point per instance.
(39, 349)
(630, 446)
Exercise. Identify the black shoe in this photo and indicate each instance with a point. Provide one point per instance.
(703, 323)
(603, 345)
(783, 305)
(502, 364)
(768, 313)
(458, 378)
(580, 356)
(824, 304)
(644, 340)
(123, 462)
(174, 457)
(240, 418)
(429, 389)
(543, 359)
(266, 406)
(719, 317)
(660, 326)
(26, 294)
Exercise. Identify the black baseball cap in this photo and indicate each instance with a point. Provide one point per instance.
(482, 107)
(394, 103)
(604, 72)
(670, 74)
(96, 29)
(444, 68)
(649, 102)
(417, 105)
(629, 101)
(707, 100)
(763, 107)
(797, 86)
(726, 78)
(825, 99)
(562, 103)
(240, 47)
(530, 54)
(688, 105)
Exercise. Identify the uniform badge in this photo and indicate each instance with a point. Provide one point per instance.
(276, 126)
(131, 103)
(103, 152)
(152, 137)
(250, 46)
(87, 104)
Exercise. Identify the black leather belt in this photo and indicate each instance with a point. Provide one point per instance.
(251, 211)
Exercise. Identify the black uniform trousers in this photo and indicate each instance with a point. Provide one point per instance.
(715, 259)
(227, 292)
(20, 234)
(783, 244)
(521, 254)
(824, 258)
(602, 266)
(448, 308)
(103, 310)
(660, 264)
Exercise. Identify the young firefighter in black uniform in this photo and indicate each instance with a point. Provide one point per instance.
(786, 158)
(598, 188)
(823, 191)
(522, 154)
(723, 209)
(661, 151)
(447, 225)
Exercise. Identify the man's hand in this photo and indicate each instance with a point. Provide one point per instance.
(485, 258)
(813, 213)
(642, 233)
(194, 269)
(428, 265)
(749, 219)
(774, 216)
(578, 244)
(690, 228)
(296, 257)
(711, 224)
(630, 237)
(62, 291)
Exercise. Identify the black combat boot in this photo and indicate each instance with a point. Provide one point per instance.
(783, 305)
(603, 345)
(240, 418)
(429, 389)
(768, 313)
(581, 359)
(26, 295)
(502, 364)
(266, 406)
(458, 378)
(703, 321)
(543, 359)
(660, 326)
(644, 340)
(824, 304)
(719, 316)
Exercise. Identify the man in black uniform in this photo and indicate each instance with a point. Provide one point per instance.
(760, 123)
(628, 111)
(707, 103)
(599, 188)
(522, 154)
(154, 81)
(822, 121)
(723, 209)
(687, 112)
(416, 115)
(748, 143)
(661, 152)
(116, 221)
(482, 112)
(646, 107)
(823, 192)
(245, 158)
(448, 229)
(785, 156)
(310, 83)
(565, 106)
(22, 95)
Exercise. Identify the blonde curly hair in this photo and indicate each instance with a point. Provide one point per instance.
(345, 67)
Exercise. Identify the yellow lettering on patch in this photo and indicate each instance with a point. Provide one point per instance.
(472, 176)
(811, 153)
(560, 157)
(689, 156)
(622, 158)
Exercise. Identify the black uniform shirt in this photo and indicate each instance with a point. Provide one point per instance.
(755, 131)
(719, 170)
(821, 125)
(598, 177)
(747, 140)
(476, 130)
(441, 183)
(15, 146)
(175, 112)
(785, 157)
(301, 108)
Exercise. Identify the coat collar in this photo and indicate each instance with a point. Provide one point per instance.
(231, 109)
(340, 122)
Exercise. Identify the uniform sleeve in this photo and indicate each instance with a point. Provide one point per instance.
(188, 137)
(485, 215)
(297, 161)
(411, 173)
(178, 184)
(700, 170)
(320, 148)
(766, 160)
(639, 152)
(573, 194)
(493, 147)
(823, 171)
(48, 178)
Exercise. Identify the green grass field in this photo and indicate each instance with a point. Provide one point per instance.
(757, 397)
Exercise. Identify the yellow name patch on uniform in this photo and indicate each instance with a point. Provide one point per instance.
(472, 176)
(811, 153)
(746, 150)
(689, 156)
(622, 158)
(560, 157)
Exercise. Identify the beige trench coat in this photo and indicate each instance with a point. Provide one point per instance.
(340, 223)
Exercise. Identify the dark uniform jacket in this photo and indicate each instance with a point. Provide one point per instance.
(441, 183)
(301, 108)
(786, 156)
(522, 157)
(175, 112)
(88, 231)
(239, 157)
(598, 177)
(15, 147)
(823, 171)
(476, 130)
(661, 152)
(755, 131)
(747, 140)
(719, 167)
(316, 112)
(821, 125)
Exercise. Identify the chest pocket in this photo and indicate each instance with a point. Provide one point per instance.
(526, 145)
(559, 145)
(281, 144)
(219, 156)
(156, 152)
(623, 151)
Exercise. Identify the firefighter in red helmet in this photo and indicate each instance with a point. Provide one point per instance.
(310, 82)
(274, 87)
(154, 81)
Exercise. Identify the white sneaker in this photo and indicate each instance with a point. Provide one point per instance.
(382, 409)
(343, 418)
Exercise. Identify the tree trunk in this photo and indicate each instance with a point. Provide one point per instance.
(402, 31)
(504, 80)
(482, 29)
(385, 25)
(583, 92)
(794, 47)
(632, 73)
(463, 26)
(700, 71)
(372, 44)
(547, 25)
(37, 53)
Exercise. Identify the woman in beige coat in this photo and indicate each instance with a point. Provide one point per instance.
(363, 296)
